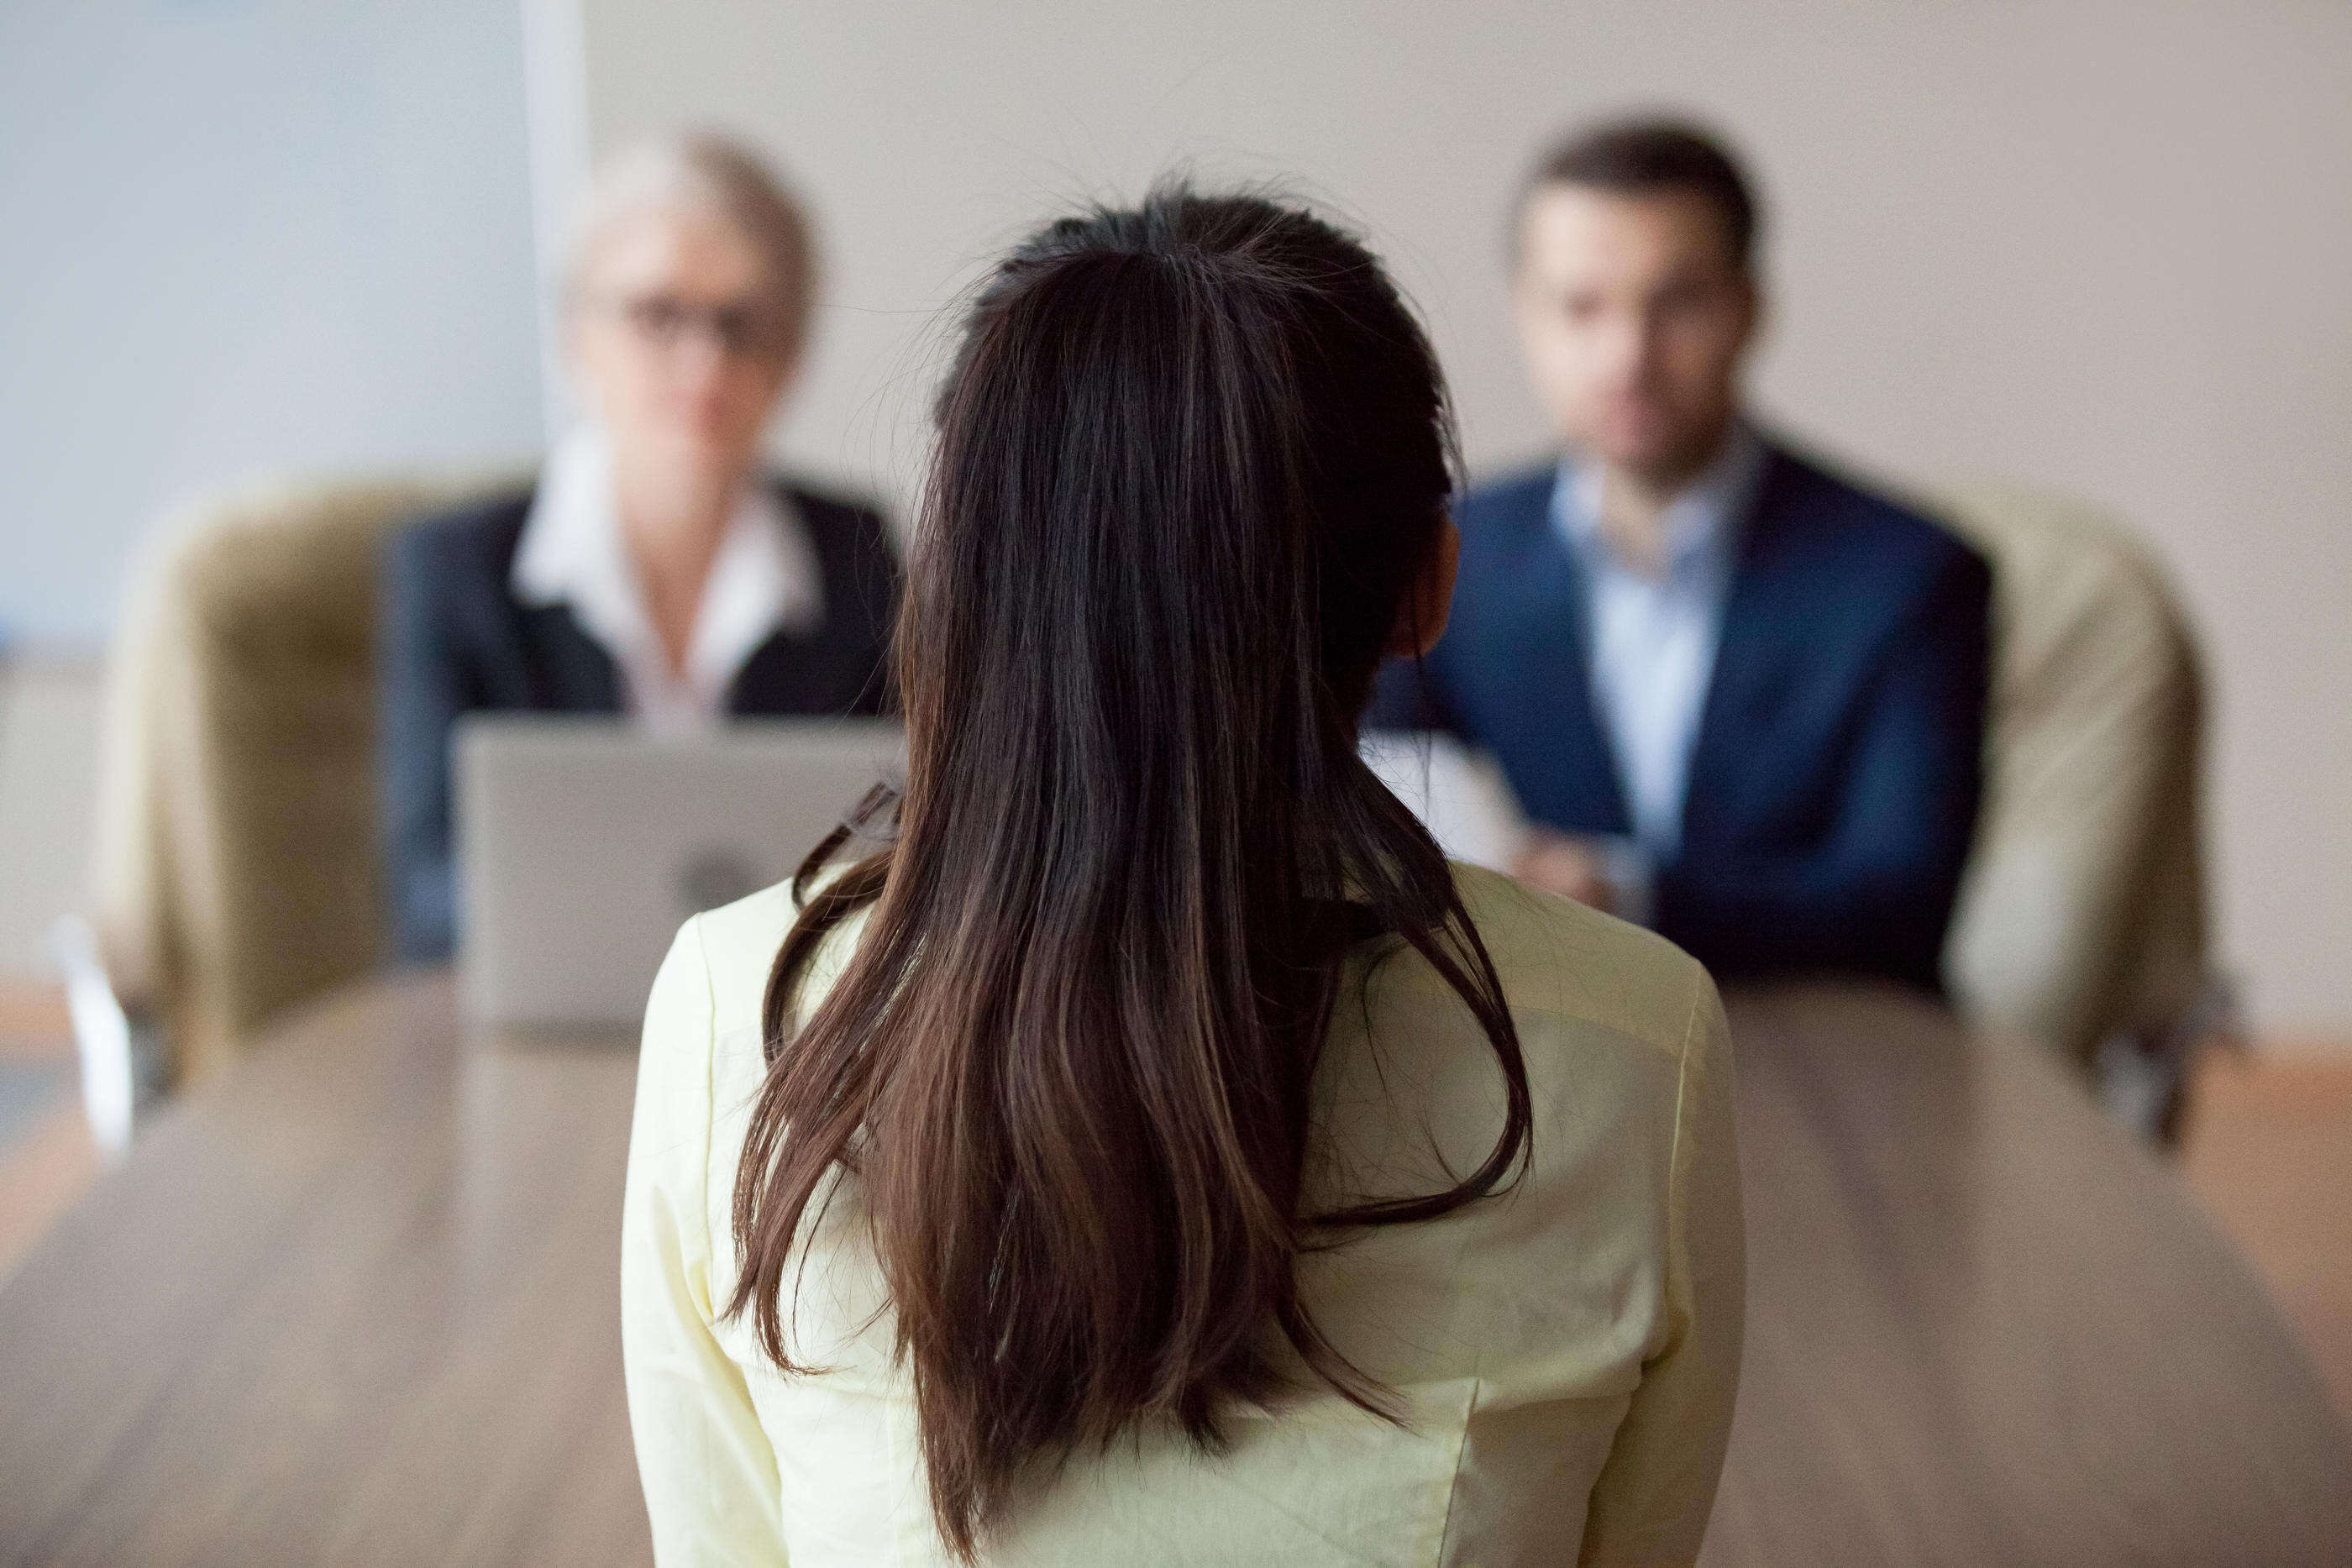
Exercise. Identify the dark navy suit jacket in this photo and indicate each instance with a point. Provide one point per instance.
(454, 639)
(1833, 784)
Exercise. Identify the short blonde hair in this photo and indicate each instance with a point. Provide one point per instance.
(700, 170)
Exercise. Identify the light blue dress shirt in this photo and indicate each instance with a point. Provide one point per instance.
(1650, 644)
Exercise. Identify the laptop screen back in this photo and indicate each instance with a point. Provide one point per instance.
(583, 844)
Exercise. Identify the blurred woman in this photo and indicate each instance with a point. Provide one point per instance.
(1155, 1152)
(654, 570)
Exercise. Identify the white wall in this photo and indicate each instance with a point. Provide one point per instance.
(239, 236)
(2105, 246)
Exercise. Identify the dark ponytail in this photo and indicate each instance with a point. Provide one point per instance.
(1191, 458)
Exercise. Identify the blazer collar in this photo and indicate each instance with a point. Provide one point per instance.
(1706, 520)
(764, 579)
(1543, 723)
(1570, 764)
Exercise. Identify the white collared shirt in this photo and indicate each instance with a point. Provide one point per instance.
(763, 579)
(1651, 641)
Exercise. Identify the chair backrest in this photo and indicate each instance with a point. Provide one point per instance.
(236, 866)
(2084, 909)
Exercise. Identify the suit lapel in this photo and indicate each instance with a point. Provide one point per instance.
(569, 670)
(1758, 649)
(790, 672)
(783, 675)
(1559, 760)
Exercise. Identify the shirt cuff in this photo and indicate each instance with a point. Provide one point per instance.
(1633, 878)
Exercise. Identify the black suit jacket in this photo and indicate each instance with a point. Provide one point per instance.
(452, 639)
(1833, 784)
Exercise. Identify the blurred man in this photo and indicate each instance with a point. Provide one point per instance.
(1738, 698)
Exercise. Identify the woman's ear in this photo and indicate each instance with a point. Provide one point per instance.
(1421, 616)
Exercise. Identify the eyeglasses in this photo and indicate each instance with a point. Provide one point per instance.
(742, 329)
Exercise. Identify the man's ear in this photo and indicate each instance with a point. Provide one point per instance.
(1421, 616)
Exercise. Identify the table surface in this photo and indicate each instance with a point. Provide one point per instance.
(356, 1302)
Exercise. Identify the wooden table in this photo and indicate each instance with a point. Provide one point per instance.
(1984, 1326)
(355, 1303)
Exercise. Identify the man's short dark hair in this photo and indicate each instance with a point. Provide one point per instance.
(1647, 156)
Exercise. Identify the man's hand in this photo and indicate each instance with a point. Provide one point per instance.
(1563, 864)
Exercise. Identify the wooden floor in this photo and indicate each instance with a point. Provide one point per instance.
(45, 1158)
(2269, 1154)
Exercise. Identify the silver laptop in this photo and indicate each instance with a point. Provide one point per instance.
(583, 844)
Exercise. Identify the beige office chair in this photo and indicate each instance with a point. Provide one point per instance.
(2081, 923)
(236, 866)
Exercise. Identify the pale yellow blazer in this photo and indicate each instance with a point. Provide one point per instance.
(1565, 1355)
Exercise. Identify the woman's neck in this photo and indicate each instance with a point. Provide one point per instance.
(672, 525)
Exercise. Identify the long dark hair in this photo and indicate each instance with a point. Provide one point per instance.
(1191, 458)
